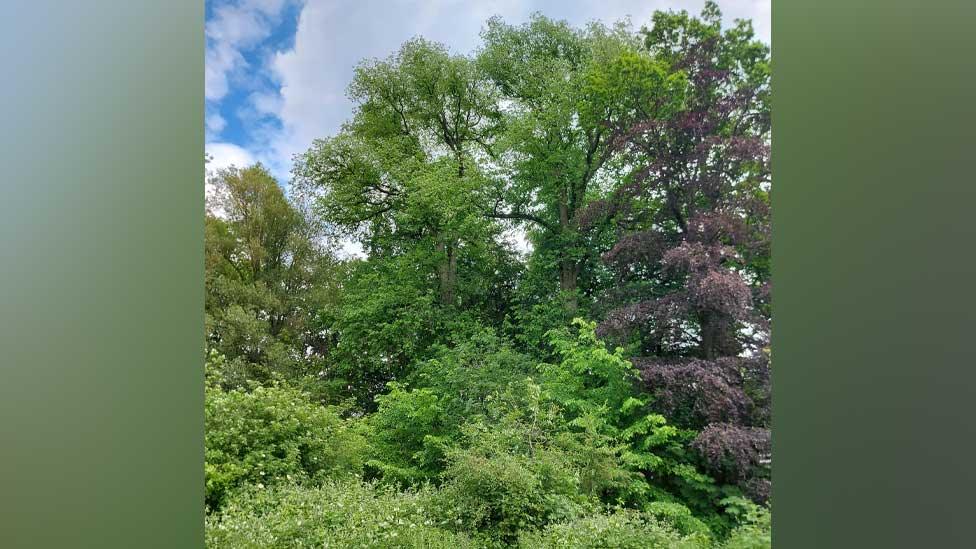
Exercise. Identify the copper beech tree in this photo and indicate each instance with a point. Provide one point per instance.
(693, 244)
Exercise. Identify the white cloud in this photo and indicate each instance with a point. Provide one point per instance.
(233, 27)
(221, 155)
(214, 123)
(225, 155)
(265, 103)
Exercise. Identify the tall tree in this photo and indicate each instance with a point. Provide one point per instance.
(265, 276)
(405, 178)
(693, 250)
(560, 129)
(405, 168)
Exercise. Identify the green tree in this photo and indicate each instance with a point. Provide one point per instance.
(563, 97)
(266, 277)
(404, 172)
(403, 177)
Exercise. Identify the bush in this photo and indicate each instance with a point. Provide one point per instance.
(588, 377)
(342, 514)
(406, 435)
(465, 375)
(519, 468)
(621, 530)
(754, 533)
(495, 497)
(273, 434)
(677, 517)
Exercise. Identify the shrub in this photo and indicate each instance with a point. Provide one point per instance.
(755, 532)
(339, 513)
(467, 374)
(588, 377)
(677, 517)
(272, 434)
(520, 468)
(495, 497)
(406, 435)
(621, 530)
(597, 390)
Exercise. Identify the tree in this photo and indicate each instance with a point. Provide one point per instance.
(404, 177)
(560, 117)
(693, 250)
(403, 172)
(265, 276)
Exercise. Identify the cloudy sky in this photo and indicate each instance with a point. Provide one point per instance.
(277, 70)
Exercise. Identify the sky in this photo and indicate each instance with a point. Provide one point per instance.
(277, 70)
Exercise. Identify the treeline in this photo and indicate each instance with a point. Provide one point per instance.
(607, 388)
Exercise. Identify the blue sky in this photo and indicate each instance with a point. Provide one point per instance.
(277, 70)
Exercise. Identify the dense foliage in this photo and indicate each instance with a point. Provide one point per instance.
(610, 387)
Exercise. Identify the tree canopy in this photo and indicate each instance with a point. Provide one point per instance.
(610, 385)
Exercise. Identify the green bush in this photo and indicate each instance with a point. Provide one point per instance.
(755, 532)
(620, 530)
(273, 434)
(521, 467)
(588, 377)
(406, 435)
(465, 375)
(678, 517)
(495, 497)
(341, 514)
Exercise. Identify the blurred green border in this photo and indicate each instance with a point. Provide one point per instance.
(101, 280)
(101, 284)
(874, 262)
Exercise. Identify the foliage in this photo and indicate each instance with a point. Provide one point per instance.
(556, 141)
(386, 320)
(608, 387)
(620, 529)
(407, 435)
(677, 517)
(273, 434)
(340, 514)
(754, 533)
(692, 254)
(467, 375)
(589, 376)
(519, 469)
(598, 389)
(403, 177)
(266, 278)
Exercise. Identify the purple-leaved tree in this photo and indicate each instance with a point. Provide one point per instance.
(692, 250)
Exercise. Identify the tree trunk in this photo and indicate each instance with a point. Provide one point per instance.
(717, 337)
(708, 338)
(568, 274)
(568, 268)
(447, 272)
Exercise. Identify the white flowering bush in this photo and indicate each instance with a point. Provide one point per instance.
(274, 434)
(622, 530)
(347, 514)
